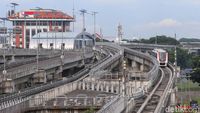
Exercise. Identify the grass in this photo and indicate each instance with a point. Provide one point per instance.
(188, 85)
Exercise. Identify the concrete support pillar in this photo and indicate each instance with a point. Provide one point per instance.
(85, 102)
(133, 64)
(92, 86)
(97, 88)
(112, 88)
(107, 88)
(40, 77)
(118, 89)
(130, 91)
(142, 67)
(55, 103)
(146, 68)
(12, 58)
(88, 86)
(79, 85)
(58, 72)
(75, 85)
(102, 89)
(94, 101)
(65, 102)
(83, 85)
(7, 86)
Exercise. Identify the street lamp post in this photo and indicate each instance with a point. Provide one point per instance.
(26, 42)
(83, 11)
(4, 51)
(124, 78)
(175, 64)
(37, 57)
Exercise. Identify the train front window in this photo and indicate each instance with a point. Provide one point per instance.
(162, 56)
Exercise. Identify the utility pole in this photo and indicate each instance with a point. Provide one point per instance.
(73, 11)
(83, 11)
(94, 15)
(4, 52)
(175, 64)
(37, 57)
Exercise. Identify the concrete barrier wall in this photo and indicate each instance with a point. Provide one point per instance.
(116, 105)
(110, 87)
(20, 105)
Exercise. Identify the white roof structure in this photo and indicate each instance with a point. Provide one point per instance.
(56, 39)
(53, 35)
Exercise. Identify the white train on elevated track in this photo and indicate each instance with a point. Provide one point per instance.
(161, 55)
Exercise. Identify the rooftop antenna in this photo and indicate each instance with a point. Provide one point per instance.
(14, 5)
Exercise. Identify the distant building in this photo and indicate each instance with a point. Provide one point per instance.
(192, 47)
(30, 22)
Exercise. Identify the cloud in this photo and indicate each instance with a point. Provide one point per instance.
(168, 22)
(169, 27)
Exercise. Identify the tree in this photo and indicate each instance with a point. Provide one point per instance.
(195, 75)
(189, 40)
(184, 60)
(163, 40)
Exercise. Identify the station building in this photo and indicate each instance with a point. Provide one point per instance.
(34, 21)
(62, 40)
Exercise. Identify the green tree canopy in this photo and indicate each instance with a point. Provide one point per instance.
(162, 40)
(195, 75)
(184, 60)
(189, 40)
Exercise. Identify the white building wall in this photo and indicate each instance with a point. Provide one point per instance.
(42, 30)
(69, 43)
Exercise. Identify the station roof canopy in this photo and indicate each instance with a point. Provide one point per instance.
(62, 35)
(55, 35)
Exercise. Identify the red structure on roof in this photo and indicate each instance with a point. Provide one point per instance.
(41, 14)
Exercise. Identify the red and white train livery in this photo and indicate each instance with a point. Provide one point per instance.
(161, 55)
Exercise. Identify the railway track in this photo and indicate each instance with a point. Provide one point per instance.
(152, 100)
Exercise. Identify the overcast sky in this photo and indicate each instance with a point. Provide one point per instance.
(140, 18)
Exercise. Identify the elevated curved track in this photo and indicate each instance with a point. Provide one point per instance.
(112, 53)
(151, 103)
